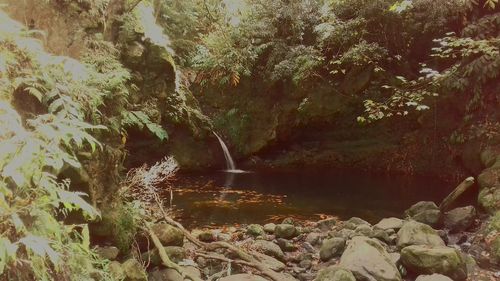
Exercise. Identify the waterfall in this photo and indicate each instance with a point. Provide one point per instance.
(229, 160)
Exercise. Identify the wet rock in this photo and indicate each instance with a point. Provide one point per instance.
(286, 245)
(134, 270)
(460, 219)
(107, 252)
(269, 227)
(389, 223)
(331, 248)
(425, 259)
(326, 224)
(354, 222)
(416, 233)
(335, 273)
(243, 277)
(286, 231)
(368, 260)
(433, 277)
(255, 230)
(269, 248)
(168, 235)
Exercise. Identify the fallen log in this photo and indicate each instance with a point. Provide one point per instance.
(453, 196)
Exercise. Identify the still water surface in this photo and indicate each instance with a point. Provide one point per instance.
(221, 198)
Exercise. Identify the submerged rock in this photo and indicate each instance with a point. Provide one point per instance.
(286, 231)
(459, 219)
(331, 248)
(425, 259)
(416, 233)
(335, 273)
(368, 260)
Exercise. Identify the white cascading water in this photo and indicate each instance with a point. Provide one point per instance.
(229, 160)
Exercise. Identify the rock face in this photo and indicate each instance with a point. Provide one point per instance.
(416, 233)
(425, 212)
(331, 248)
(168, 235)
(335, 273)
(286, 231)
(389, 223)
(368, 260)
(433, 277)
(459, 219)
(434, 259)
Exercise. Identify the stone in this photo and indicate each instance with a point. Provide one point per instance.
(271, 262)
(134, 270)
(444, 260)
(383, 236)
(433, 277)
(489, 177)
(207, 236)
(326, 224)
(354, 222)
(269, 248)
(288, 221)
(420, 207)
(363, 230)
(255, 230)
(175, 253)
(116, 270)
(168, 235)
(368, 260)
(286, 245)
(331, 248)
(430, 217)
(269, 227)
(313, 238)
(344, 233)
(335, 273)
(416, 233)
(286, 231)
(165, 274)
(459, 219)
(243, 277)
(107, 252)
(489, 199)
(389, 223)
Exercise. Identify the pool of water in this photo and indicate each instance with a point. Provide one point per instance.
(221, 198)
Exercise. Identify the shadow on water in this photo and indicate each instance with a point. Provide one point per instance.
(223, 198)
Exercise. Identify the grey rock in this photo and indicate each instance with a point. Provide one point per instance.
(353, 222)
(389, 223)
(416, 233)
(459, 219)
(331, 248)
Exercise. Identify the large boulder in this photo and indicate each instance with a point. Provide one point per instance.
(168, 235)
(368, 260)
(331, 248)
(286, 231)
(416, 233)
(459, 219)
(425, 259)
(334, 273)
(389, 223)
(425, 212)
(433, 277)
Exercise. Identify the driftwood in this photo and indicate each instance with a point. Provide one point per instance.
(459, 190)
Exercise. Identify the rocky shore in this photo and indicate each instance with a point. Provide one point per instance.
(425, 245)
